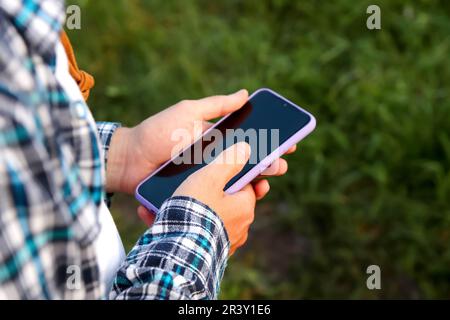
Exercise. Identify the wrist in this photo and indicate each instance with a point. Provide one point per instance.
(117, 159)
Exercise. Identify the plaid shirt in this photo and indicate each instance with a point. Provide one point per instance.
(52, 184)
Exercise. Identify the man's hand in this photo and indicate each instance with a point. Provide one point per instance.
(237, 210)
(136, 152)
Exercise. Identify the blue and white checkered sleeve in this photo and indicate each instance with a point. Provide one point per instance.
(182, 256)
(105, 131)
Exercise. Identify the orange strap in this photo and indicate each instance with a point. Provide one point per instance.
(84, 80)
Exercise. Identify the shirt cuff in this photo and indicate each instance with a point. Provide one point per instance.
(182, 256)
(209, 244)
(105, 132)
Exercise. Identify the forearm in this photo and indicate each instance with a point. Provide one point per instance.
(182, 256)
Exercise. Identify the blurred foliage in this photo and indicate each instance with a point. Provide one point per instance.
(370, 186)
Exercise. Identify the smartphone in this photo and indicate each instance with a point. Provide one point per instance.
(270, 123)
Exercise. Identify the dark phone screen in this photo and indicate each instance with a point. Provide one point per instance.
(265, 122)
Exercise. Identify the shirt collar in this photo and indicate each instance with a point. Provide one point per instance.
(38, 21)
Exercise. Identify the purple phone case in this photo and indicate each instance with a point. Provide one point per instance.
(260, 167)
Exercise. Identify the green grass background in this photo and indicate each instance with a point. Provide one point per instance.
(370, 186)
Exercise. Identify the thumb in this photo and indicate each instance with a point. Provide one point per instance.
(229, 163)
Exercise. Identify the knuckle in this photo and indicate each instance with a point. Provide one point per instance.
(184, 104)
(251, 202)
(251, 216)
(243, 240)
(249, 219)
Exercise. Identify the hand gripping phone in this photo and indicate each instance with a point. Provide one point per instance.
(270, 123)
